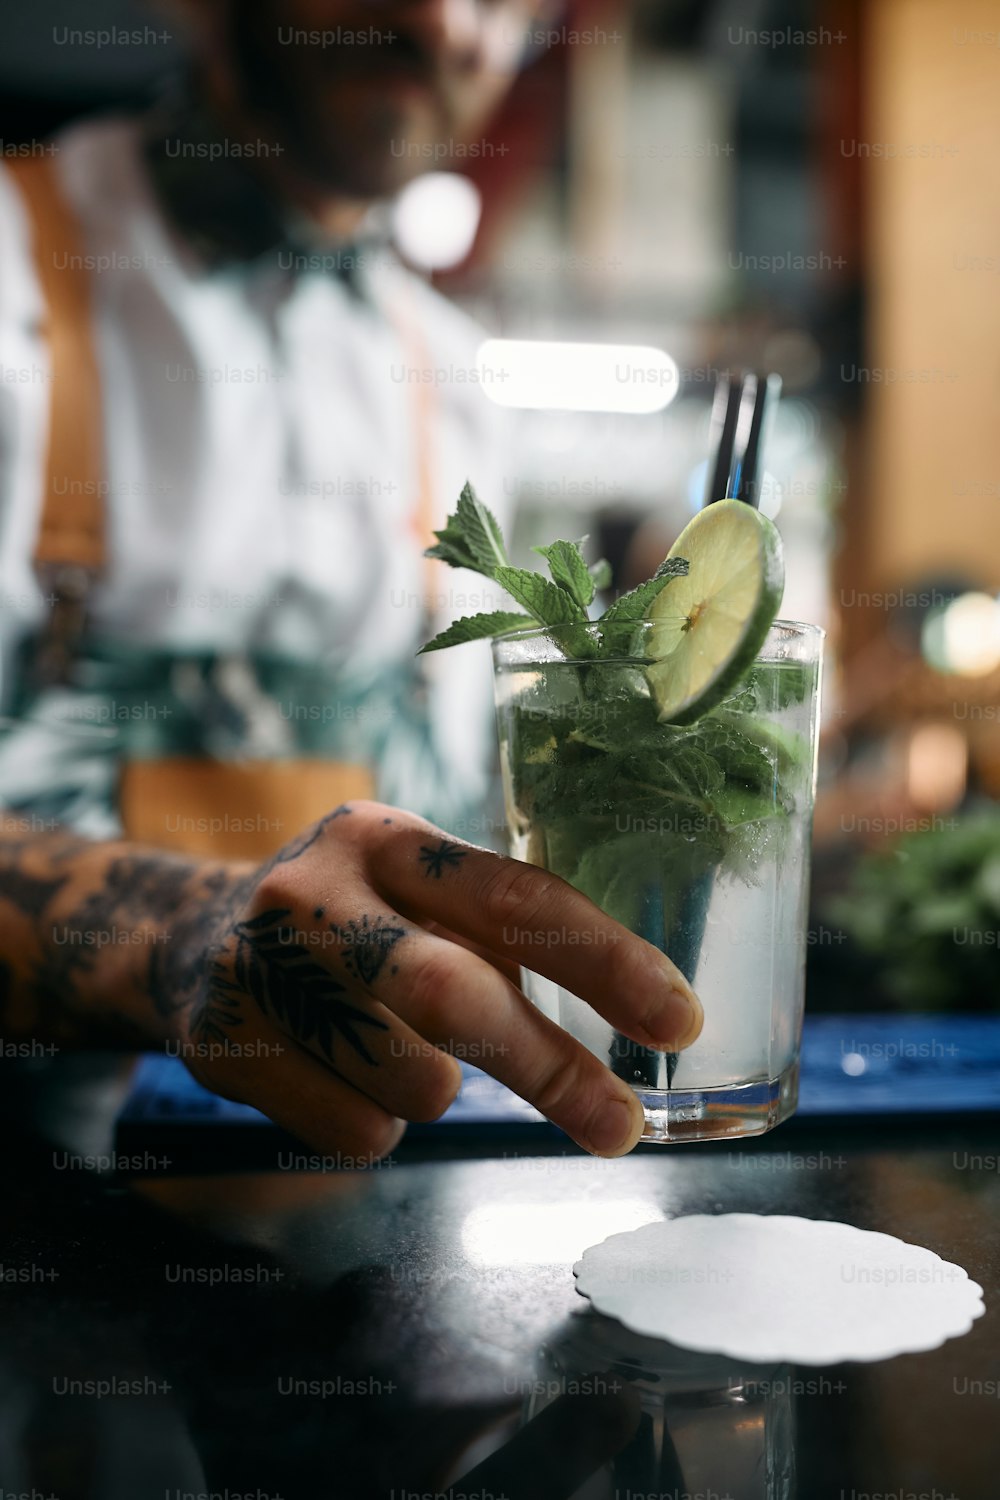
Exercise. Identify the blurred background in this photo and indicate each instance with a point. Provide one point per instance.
(808, 188)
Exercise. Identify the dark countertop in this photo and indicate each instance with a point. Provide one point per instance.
(424, 1293)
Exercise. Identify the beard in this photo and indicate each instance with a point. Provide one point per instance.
(359, 119)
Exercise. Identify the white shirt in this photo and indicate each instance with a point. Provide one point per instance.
(259, 447)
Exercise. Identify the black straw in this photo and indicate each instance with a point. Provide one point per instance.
(766, 393)
(738, 429)
(725, 415)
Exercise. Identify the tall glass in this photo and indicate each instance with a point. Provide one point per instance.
(695, 837)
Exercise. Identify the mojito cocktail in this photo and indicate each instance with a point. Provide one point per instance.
(662, 759)
(694, 836)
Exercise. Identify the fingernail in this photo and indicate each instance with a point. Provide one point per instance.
(678, 1020)
(697, 1018)
(613, 1131)
(675, 980)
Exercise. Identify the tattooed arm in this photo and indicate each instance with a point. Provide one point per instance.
(98, 940)
(334, 986)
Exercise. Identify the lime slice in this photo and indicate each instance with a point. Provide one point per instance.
(710, 625)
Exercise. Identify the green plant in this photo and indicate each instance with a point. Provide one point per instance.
(927, 910)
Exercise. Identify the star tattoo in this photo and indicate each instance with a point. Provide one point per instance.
(446, 853)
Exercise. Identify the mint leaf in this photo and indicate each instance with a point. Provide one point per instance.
(549, 604)
(471, 538)
(569, 569)
(475, 627)
(635, 604)
(600, 572)
(452, 548)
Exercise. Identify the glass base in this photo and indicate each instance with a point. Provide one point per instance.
(719, 1113)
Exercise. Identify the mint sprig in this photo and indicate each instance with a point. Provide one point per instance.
(471, 538)
(569, 569)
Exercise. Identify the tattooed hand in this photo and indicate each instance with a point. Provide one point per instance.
(334, 986)
(344, 977)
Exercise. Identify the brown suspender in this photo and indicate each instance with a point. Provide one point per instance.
(70, 545)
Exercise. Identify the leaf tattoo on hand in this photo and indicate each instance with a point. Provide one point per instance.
(287, 984)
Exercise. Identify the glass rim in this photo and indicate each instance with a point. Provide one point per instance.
(802, 630)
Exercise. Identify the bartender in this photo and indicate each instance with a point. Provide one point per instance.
(215, 500)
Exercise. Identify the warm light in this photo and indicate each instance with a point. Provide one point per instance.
(972, 634)
(964, 637)
(435, 219)
(547, 376)
(936, 766)
(548, 1234)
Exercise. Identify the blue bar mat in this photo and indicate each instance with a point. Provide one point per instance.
(885, 1065)
(900, 1065)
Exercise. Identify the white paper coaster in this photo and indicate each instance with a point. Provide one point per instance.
(768, 1287)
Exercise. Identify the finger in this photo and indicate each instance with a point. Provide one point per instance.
(539, 920)
(315, 1106)
(308, 1100)
(508, 967)
(461, 1002)
(311, 979)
